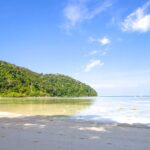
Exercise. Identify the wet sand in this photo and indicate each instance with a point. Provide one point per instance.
(61, 133)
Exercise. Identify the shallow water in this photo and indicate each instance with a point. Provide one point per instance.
(130, 110)
(49, 107)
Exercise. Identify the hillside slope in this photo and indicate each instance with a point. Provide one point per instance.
(18, 81)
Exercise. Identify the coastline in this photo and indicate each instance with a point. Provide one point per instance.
(46, 97)
(10, 115)
(61, 133)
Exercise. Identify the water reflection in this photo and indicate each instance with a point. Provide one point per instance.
(50, 107)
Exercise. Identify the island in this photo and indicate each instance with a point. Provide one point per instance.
(18, 81)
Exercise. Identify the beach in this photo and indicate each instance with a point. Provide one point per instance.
(63, 133)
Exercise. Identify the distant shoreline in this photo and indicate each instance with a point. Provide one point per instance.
(126, 96)
(46, 97)
(61, 97)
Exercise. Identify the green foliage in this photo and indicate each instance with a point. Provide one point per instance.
(20, 82)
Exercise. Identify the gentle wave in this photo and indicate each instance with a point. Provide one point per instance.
(130, 110)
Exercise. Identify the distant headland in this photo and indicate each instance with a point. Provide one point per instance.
(17, 81)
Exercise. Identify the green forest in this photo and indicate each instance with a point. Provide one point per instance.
(17, 81)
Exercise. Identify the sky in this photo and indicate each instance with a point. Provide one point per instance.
(103, 43)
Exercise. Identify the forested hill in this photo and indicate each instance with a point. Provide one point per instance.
(17, 81)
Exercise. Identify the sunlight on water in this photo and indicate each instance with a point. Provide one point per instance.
(52, 107)
(118, 109)
(129, 110)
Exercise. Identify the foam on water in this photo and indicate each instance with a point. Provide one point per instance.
(130, 110)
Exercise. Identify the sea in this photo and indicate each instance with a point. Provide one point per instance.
(118, 109)
(130, 110)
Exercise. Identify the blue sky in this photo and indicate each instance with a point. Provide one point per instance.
(104, 43)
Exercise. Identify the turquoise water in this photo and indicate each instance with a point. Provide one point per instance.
(130, 110)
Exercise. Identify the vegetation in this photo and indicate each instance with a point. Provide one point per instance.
(20, 82)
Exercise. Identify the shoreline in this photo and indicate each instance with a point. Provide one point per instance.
(8, 115)
(61, 133)
(46, 98)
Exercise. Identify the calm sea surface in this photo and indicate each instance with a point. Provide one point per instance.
(103, 109)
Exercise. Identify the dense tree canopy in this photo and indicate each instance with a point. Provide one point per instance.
(17, 81)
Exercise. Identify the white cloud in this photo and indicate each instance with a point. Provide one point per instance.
(77, 11)
(104, 41)
(92, 65)
(73, 14)
(139, 20)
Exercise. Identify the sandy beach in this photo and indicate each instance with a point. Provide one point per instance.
(60, 133)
